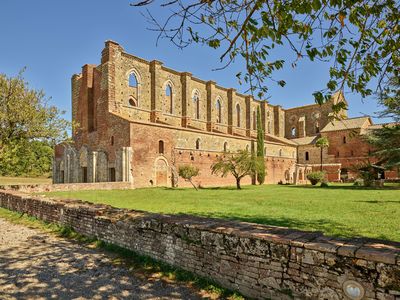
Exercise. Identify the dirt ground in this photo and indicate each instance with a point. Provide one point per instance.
(37, 265)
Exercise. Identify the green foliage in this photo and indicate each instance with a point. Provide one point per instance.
(315, 177)
(239, 165)
(386, 140)
(324, 184)
(260, 148)
(187, 172)
(357, 38)
(28, 158)
(29, 127)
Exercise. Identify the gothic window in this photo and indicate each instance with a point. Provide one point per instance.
(168, 96)
(161, 147)
(238, 115)
(219, 111)
(198, 144)
(112, 140)
(293, 131)
(307, 156)
(225, 147)
(133, 82)
(196, 102)
(280, 152)
(344, 140)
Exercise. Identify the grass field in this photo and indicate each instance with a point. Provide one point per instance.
(340, 210)
(24, 180)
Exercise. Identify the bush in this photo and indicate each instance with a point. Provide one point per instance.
(324, 184)
(315, 177)
(187, 172)
(358, 182)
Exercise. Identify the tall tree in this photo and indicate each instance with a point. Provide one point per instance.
(386, 140)
(239, 165)
(26, 122)
(260, 148)
(358, 38)
(322, 143)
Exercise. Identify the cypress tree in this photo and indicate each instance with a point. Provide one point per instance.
(260, 148)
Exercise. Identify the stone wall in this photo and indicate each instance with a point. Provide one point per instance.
(259, 261)
(38, 188)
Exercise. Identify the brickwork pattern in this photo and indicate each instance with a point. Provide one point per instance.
(258, 261)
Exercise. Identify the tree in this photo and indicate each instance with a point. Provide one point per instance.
(260, 148)
(358, 38)
(187, 172)
(28, 126)
(386, 140)
(322, 143)
(239, 165)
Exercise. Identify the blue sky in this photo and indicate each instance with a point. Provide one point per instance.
(54, 39)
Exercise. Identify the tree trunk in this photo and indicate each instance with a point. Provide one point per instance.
(321, 158)
(238, 184)
(193, 185)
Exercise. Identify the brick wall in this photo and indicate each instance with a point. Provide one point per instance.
(259, 261)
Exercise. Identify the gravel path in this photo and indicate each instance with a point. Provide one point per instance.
(36, 265)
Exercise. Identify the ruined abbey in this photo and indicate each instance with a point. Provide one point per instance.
(138, 121)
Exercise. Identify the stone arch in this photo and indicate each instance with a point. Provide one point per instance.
(168, 97)
(238, 115)
(218, 109)
(161, 172)
(135, 90)
(196, 98)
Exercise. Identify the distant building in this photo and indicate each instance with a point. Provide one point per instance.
(138, 121)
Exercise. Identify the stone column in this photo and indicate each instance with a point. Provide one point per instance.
(126, 164)
(186, 95)
(155, 67)
(94, 167)
(231, 96)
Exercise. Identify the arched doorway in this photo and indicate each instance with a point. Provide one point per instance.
(161, 172)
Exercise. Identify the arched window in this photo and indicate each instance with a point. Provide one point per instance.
(316, 127)
(280, 152)
(351, 153)
(293, 131)
(254, 120)
(307, 156)
(238, 115)
(133, 82)
(132, 102)
(161, 147)
(197, 144)
(219, 111)
(337, 154)
(112, 140)
(344, 140)
(225, 147)
(168, 96)
(196, 102)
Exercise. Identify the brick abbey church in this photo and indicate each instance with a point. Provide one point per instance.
(138, 121)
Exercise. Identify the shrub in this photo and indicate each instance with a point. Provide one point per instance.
(324, 184)
(315, 177)
(358, 182)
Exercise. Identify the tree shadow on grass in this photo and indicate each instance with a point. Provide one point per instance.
(346, 187)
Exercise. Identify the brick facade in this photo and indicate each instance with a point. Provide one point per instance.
(139, 120)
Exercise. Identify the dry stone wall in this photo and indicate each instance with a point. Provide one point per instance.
(259, 261)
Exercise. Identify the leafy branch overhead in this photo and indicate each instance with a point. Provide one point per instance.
(358, 38)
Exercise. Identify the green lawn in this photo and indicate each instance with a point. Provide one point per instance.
(24, 180)
(340, 210)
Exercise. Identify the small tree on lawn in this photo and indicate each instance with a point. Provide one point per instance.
(187, 172)
(322, 143)
(260, 148)
(240, 164)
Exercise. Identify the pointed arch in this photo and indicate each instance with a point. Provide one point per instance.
(198, 144)
(218, 108)
(238, 121)
(226, 147)
(196, 103)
